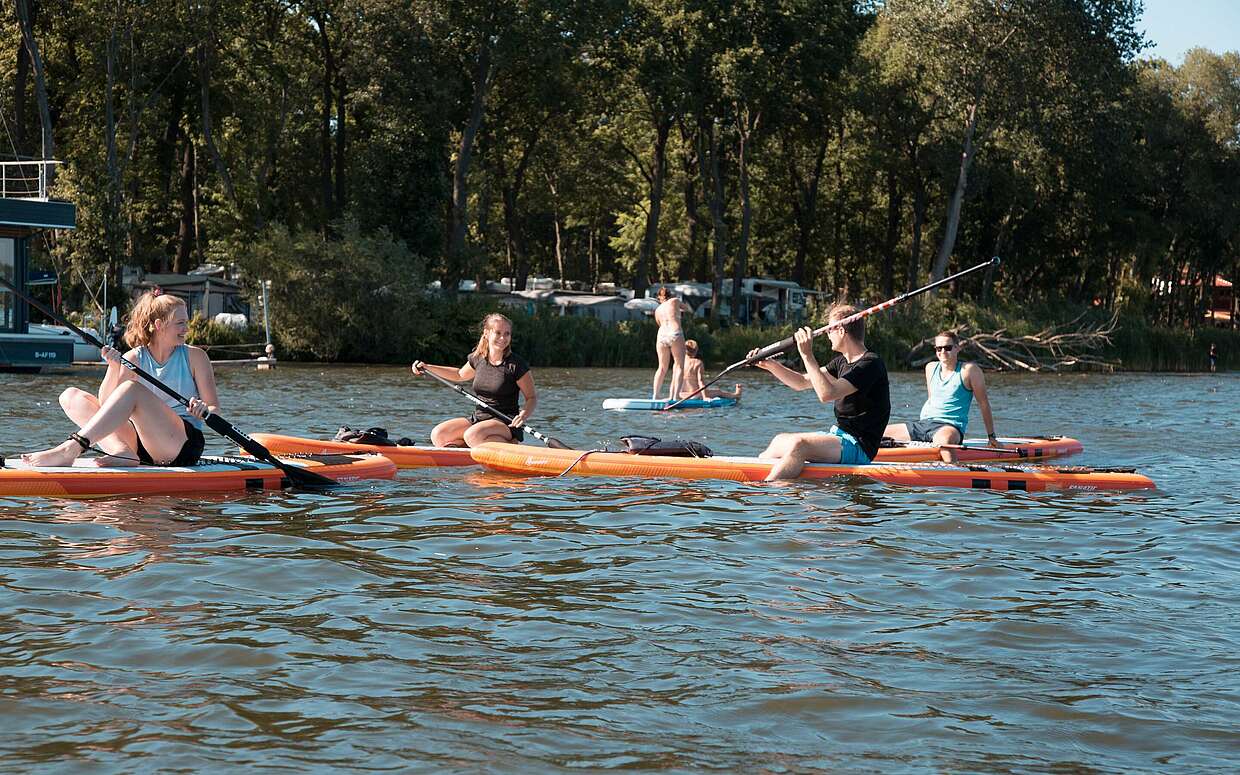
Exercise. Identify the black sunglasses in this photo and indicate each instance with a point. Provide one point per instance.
(941, 347)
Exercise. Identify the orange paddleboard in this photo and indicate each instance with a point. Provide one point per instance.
(211, 474)
(403, 457)
(532, 461)
(1014, 449)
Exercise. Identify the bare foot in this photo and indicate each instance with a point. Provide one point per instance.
(59, 456)
(116, 461)
(739, 388)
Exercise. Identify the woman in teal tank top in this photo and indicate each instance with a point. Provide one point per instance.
(128, 421)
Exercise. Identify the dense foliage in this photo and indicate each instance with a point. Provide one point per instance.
(352, 150)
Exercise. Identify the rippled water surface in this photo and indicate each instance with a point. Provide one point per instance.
(454, 620)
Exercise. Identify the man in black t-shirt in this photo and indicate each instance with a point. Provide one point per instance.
(856, 380)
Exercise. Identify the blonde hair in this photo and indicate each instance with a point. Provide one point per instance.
(855, 329)
(151, 306)
(691, 348)
(489, 322)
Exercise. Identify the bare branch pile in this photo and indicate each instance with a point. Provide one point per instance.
(1067, 346)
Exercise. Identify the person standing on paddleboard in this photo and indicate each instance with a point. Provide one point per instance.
(856, 380)
(498, 377)
(669, 343)
(128, 420)
(951, 387)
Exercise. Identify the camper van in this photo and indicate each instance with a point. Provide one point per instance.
(764, 300)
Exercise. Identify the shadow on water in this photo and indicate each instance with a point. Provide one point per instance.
(463, 620)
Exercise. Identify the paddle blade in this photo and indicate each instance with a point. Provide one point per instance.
(557, 444)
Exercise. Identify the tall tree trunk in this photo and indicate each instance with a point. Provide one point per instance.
(920, 203)
(592, 259)
(326, 102)
(208, 136)
(709, 151)
(111, 221)
(692, 264)
(486, 196)
(939, 271)
(483, 74)
(20, 79)
(512, 187)
(265, 175)
(25, 15)
(805, 203)
(185, 232)
(342, 135)
(1001, 238)
(895, 207)
(837, 227)
(646, 258)
(746, 123)
(555, 222)
(514, 239)
(166, 160)
(198, 229)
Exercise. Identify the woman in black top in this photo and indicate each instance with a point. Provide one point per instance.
(498, 376)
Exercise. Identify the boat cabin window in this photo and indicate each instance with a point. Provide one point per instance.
(8, 270)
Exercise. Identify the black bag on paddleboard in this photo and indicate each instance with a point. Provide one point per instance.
(377, 437)
(649, 445)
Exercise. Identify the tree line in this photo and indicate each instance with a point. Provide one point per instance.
(861, 148)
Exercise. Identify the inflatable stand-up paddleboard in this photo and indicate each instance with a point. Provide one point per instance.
(657, 405)
(1014, 449)
(403, 457)
(530, 461)
(211, 474)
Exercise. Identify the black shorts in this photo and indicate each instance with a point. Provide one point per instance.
(924, 430)
(191, 450)
(518, 434)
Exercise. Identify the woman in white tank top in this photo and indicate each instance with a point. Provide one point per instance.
(128, 421)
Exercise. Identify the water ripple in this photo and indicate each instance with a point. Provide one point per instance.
(465, 621)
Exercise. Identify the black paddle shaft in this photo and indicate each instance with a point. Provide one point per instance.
(784, 345)
(298, 476)
(550, 442)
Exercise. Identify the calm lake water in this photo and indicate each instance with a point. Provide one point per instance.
(453, 620)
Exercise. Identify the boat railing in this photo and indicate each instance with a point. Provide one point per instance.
(25, 179)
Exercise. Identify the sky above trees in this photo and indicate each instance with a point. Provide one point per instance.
(1175, 26)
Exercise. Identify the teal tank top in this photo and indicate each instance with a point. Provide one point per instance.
(949, 399)
(176, 374)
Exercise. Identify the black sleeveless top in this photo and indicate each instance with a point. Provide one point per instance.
(497, 385)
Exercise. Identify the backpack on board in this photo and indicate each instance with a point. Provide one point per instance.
(649, 445)
(377, 437)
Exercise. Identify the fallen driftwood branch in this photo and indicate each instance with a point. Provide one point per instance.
(1071, 345)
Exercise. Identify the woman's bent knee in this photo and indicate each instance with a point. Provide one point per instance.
(71, 397)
